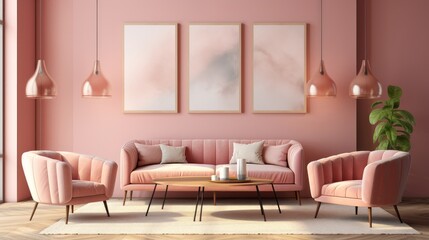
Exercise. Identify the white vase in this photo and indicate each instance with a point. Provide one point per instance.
(224, 173)
(241, 169)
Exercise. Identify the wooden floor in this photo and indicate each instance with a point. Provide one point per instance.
(14, 225)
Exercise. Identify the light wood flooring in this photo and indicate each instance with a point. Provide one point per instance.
(14, 224)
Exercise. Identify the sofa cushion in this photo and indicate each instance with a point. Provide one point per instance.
(145, 174)
(276, 155)
(278, 174)
(82, 188)
(148, 154)
(173, 154)
(344, 189)
(251, 152)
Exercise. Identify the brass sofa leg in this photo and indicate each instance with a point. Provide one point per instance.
(317, 209)
(107, 209)
(67, 213)
(214, 198)
(34, 210)
(397, 213)
(370, 216)
(125, 197)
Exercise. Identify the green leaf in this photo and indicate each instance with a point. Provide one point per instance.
(376, 103)
(394, 92)
(396, 103)
(403, 143)
(406, 126)
(406, 115)
(376, 115)
(378, 131)
(401, 132)
(391, 134)
(383, 145)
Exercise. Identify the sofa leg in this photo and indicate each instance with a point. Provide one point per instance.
(317, 209)
(72, 208)
(107, 209)
(67, 213)
(214, 198)
(397, 213)
(370, 216)
(131, 195)
(125, 197)
(34, 210)
(298, 197)
(356, 210)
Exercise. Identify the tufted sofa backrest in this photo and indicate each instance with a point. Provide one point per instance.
(211, 151)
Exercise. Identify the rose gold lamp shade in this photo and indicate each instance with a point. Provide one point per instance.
(321, 85)
(96, 85)
(40, 85)
(365, 85)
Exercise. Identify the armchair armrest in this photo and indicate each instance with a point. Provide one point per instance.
(108, 175)
(295, 160)
(128, 162)
(384, 181)
(49, 180)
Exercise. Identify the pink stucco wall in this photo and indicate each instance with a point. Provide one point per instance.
(99, 126)
(398, 50)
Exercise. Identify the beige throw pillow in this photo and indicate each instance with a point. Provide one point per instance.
(172, 154)
(251, 152)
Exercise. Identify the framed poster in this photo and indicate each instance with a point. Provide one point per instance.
(150, 68)
(214, 68)
(279, 68)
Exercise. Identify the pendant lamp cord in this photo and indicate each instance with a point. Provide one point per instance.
(96, 31)
(321, 30)
(40, 29)
(364, 22)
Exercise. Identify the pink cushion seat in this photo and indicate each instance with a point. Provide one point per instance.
(145, 174)
(278, 174)
(345, 189)
(82, 188)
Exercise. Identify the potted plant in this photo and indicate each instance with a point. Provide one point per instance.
(393, 125)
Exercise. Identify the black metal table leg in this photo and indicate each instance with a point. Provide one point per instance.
(196, 205)
(165, 196)
(260, 202)
(277, 200)
(151, 198)
(202, 203)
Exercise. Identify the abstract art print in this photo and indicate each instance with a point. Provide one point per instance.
(214, 68)
(150, 68)
(279, 68)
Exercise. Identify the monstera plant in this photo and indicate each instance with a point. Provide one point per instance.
(393, 125)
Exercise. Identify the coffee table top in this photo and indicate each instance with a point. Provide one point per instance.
(206, 182)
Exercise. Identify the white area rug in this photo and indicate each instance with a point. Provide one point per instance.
(229, 216)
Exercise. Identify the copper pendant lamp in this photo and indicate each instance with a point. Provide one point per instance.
(96, 85)
(40, 85)
(321, 84)
(365, 85)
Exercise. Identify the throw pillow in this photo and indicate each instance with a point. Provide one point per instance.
(148, 154)
(276, 155)
(251, 152)
(173, 154)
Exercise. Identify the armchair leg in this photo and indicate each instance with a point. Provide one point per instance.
(131, 195)
(298, 197)
(67, 213)
(72, 208)
(317, 209)
(370, 216)
(214, 198)
(397, 213)
(125, 197)
(107, 209)
(34, 210)
(356, 210)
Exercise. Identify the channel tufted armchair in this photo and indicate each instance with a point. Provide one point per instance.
(66, 178)
(360, 179)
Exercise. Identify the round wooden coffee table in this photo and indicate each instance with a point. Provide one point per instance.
(203, 182)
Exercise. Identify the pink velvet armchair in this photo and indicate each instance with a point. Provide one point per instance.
(65, 178)
(360, 179)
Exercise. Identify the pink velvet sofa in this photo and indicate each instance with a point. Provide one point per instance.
(205, 157)
(360, 179)
(66, 178)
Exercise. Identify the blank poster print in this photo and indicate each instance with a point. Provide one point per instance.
(150, 68)
(279, 68)
(215, 68)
